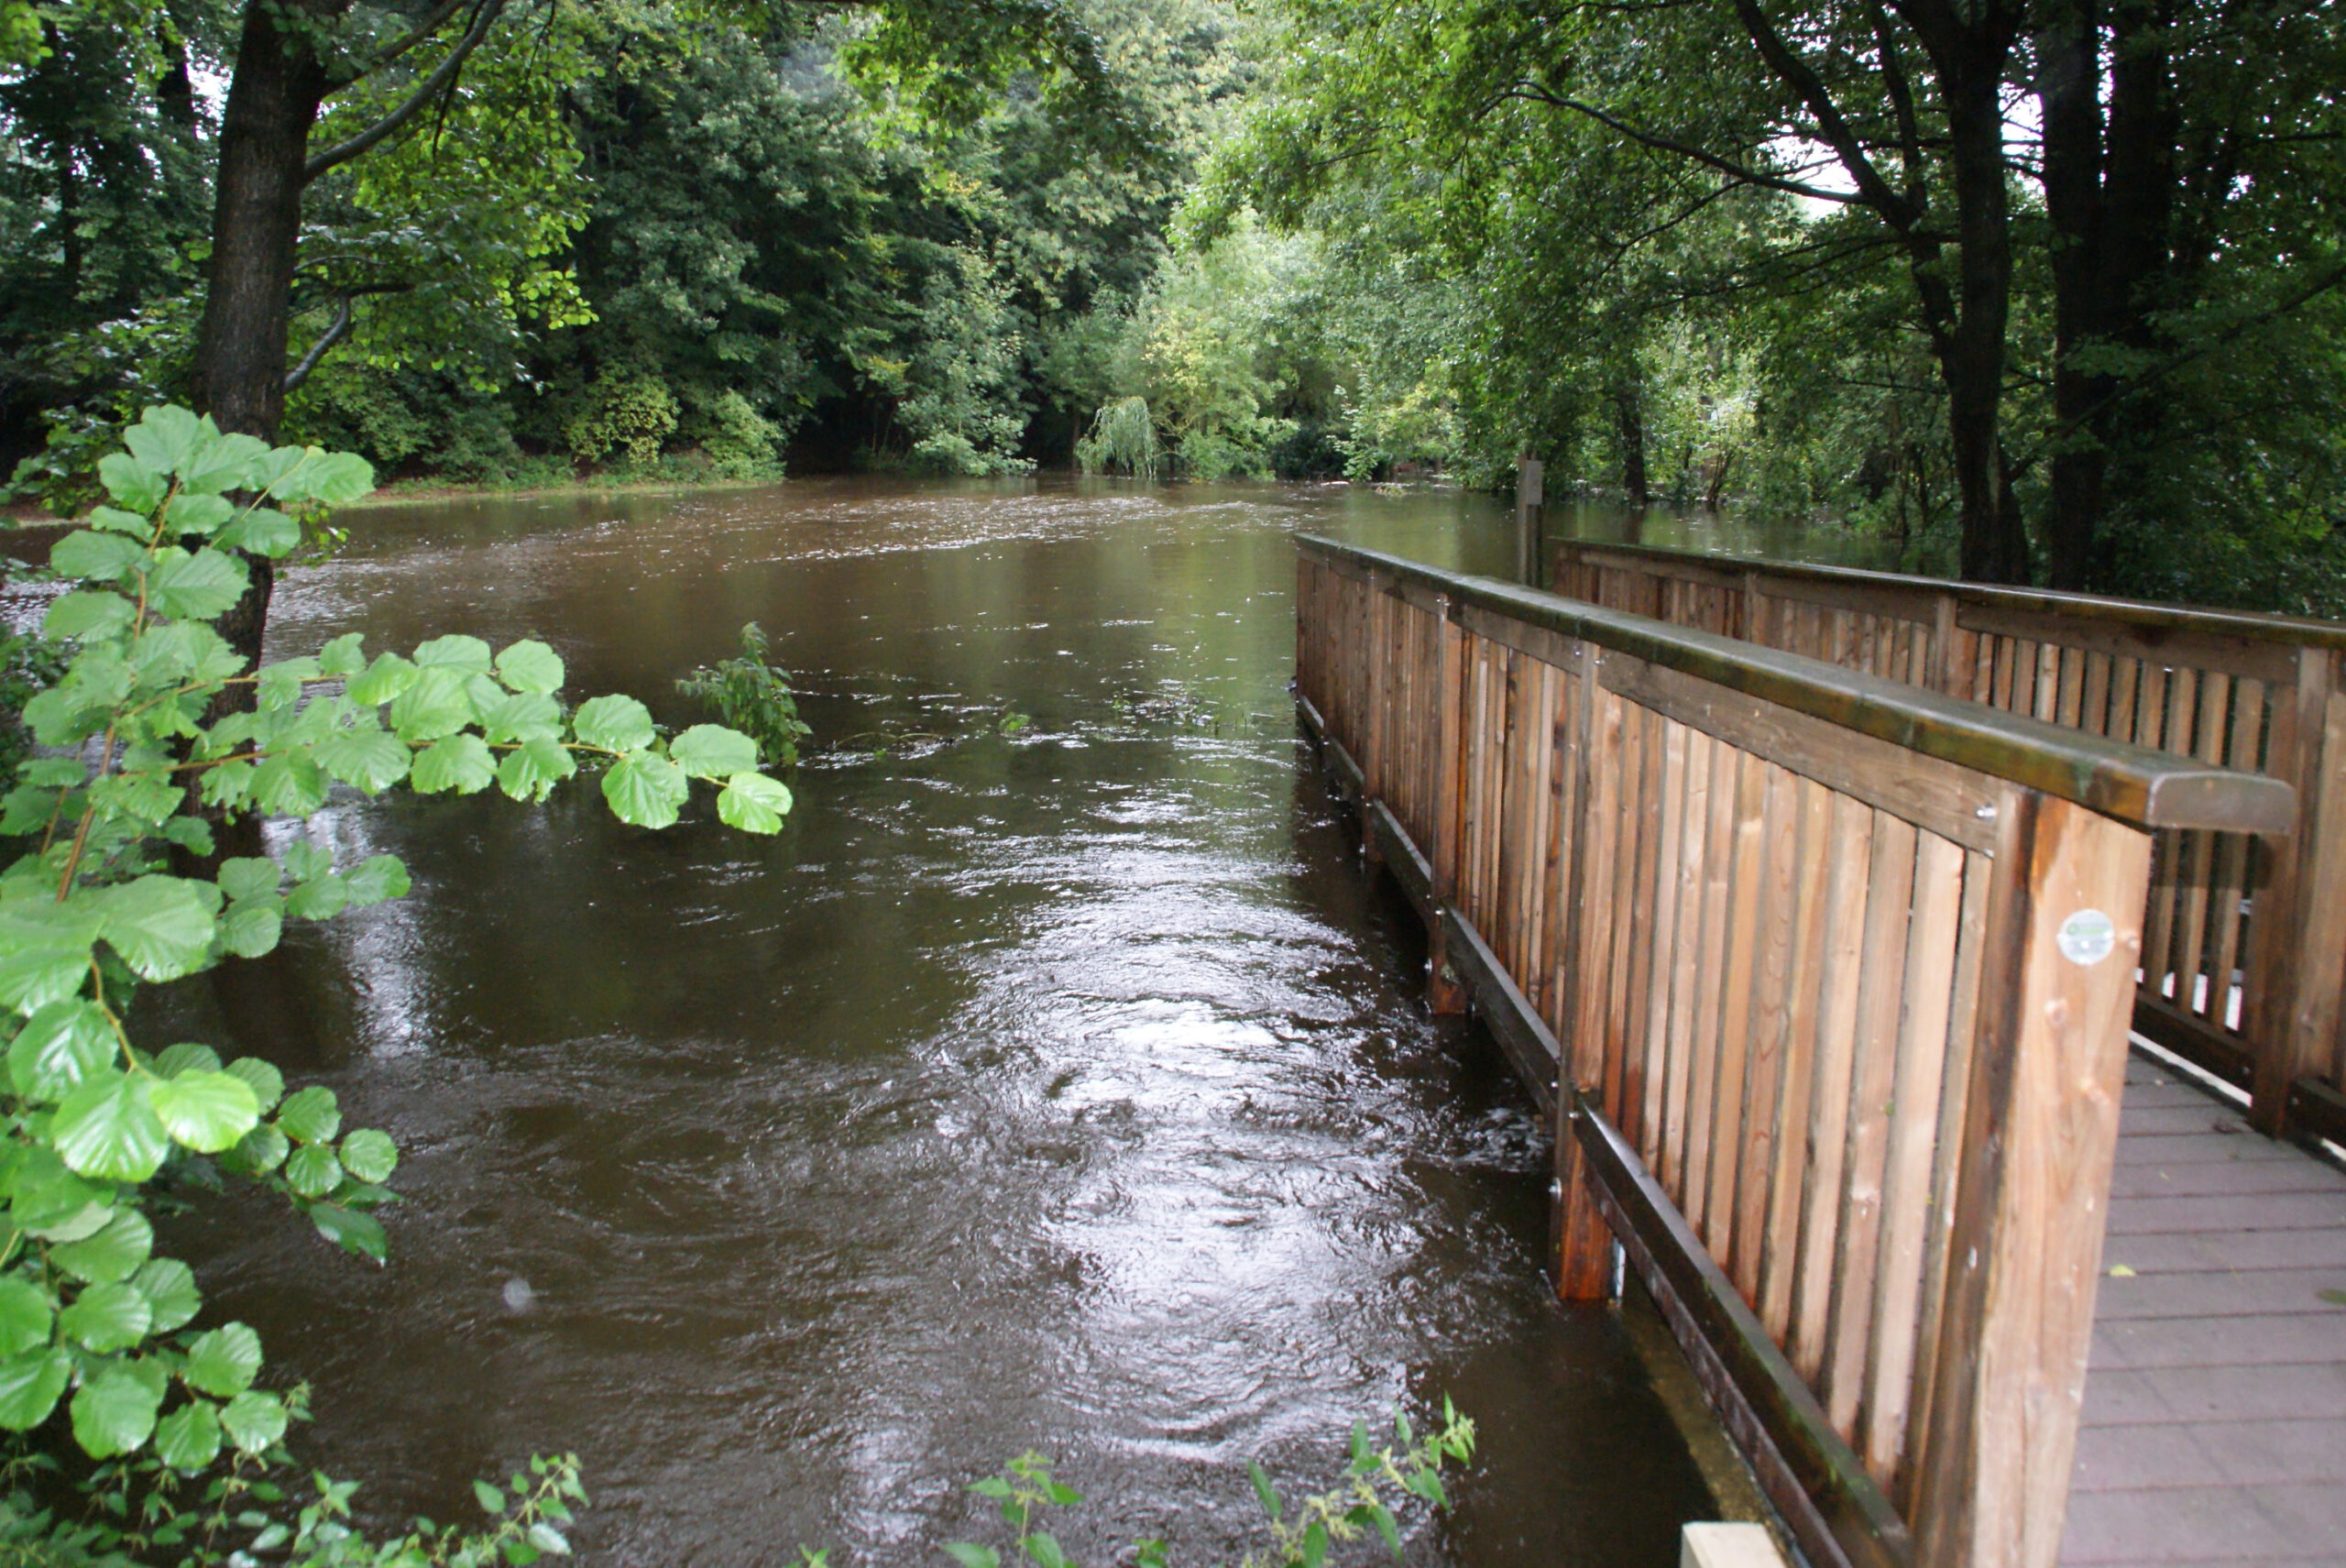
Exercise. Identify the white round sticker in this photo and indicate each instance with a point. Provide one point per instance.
(2087, 937)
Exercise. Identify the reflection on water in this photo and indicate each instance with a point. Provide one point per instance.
(1063, 1089)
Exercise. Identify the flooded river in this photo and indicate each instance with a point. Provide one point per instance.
(1055, 1079)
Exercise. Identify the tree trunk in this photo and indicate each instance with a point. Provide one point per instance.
(1629, 421)
(1995, 547)
(2068, 97)
(273, 100)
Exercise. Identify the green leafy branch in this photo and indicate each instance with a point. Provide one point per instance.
(92, 1324)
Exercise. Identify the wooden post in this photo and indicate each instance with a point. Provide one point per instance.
(2063, 937)
(1583, 1242)
(2298, 968)
(1444, 991)
(1529, 500)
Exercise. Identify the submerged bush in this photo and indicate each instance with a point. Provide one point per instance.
(1123, 440)
(754, 696)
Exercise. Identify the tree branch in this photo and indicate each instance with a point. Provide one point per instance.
(442, 80)
(1748, 175)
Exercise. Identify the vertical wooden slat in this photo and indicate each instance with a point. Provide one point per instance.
(1779, 1260)
(1729, 1132)
(1684, 936)
(1850, 851)
(1882, 986)
(1946, 1169)
(1706, 1042)
(1923, 1036)
(1771, 912)
(1653, 1032)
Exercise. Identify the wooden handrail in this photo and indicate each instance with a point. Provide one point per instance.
(2293, 631)
(2245, 958)
(2134, 783)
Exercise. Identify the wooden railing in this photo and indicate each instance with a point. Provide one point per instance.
(2244, 957)
(1827, 979)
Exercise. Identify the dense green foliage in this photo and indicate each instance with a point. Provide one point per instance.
(2054, 285)
(2036, 287)
(104, 1355)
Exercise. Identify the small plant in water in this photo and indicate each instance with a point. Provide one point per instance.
(1377, 1481)
(1124, 436)
(753, 696)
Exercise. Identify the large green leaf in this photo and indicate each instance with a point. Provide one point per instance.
(310, 1115)
(530, 667)
(166, 437)
(361, 1234)
(645, 790)
(169, 1288)
(753, 803)
(713, 752)
(249, 876)
(382, 680)
(533, 768)
(207, 1111)
(289, 784)
(132, 483)
(369, 1154)
(320, 898)
(89, 613)
(51, 1203)
(434, 705)
(194, 587)
(375, 879)
(189, 1437)
(461, 762)
(614, 723)
(254, 1420)
(193, 512)
(344, 656)
(106, 1318)
(33, 977)
(313, 1171)
(161, 926)
(262, 1078)
(25, 1316)
(113, 1412)
(60, 1046)
(114, 1253)
(263, 1150)
(31, 1385)
(261, 531)
(374, 759)
(523, 716)
(223, 1362)
(253, 926)
(469, 654)
(102, 556)
(106, 1130)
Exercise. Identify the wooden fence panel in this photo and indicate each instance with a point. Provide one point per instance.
(2244, 954)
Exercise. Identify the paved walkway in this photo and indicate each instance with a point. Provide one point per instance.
(2215, 1413)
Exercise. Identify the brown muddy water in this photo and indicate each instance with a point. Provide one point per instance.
(1063, 1089)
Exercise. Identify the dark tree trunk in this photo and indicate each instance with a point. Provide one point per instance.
(1995, 547)
(273, 100)
(1629, 421)
(2068, 93)
(2109, 196)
